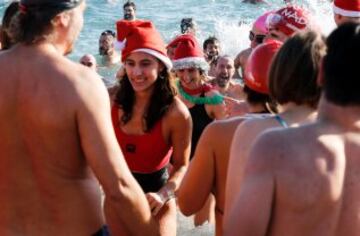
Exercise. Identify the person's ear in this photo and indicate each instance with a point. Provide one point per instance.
(62, 19)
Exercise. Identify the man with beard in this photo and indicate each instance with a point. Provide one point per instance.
(211, 47)
(109, 61)
(58, 143)
(129, 11)
(223, 82)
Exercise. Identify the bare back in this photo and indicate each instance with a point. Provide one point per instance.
(318, 186)
(46, 186)
(301, 181)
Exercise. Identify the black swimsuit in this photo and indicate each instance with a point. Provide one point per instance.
(200, 120)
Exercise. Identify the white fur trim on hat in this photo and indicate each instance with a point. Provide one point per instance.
(120, 45)
(158, 55)
(344, 12)
(191, 62)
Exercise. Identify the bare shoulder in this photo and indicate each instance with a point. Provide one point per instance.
(178, 112)
(222, 129)
(256, 123)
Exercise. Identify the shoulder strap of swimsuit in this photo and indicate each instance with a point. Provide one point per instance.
(281, 121)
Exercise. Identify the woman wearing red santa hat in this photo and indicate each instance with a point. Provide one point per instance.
(152, 125)
(204, 103)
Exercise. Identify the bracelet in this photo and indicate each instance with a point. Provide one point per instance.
(166, 195)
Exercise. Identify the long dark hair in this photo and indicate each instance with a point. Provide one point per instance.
(161, 99)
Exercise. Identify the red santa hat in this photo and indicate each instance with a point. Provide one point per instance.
(188, 53)
(289, 20)
(258, 65)
(350, 8)
(140, 36)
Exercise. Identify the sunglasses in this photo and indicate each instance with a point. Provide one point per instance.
(259, 38)
(108, 32)
(88, 64)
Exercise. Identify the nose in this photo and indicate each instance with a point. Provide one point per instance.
(137, 71)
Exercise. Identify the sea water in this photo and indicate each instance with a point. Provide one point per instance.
(229, 20)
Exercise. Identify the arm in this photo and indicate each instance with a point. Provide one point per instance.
(129, 208)
(218, 111)
(199, 179)
(251, 212)
(180, 138)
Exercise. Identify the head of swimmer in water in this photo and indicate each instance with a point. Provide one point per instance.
(106, 43)
(211, 47)
(129, 9)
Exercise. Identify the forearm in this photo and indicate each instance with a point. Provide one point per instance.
(128, 213)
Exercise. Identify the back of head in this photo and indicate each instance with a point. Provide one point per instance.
(33, 21)
(289, 20)
(293, 74)
(341, 66)
(257, 67)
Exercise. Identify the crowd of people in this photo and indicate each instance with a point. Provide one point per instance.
(265, 143)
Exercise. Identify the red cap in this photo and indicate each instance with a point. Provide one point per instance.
(350, 8)
(188, 53)
(289, 20)
(141, 36)
(258, 65)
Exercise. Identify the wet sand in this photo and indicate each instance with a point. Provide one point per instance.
(186, 227)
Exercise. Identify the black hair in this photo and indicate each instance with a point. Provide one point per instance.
(129, 4)
(256, 98)
(210, 40)
(32, 23)
(160, 101)
(10, 12)
(341, 66)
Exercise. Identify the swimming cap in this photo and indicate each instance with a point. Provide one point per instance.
(258, 65)
(46, 4)
(260, 23)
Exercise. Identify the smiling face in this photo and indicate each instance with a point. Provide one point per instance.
(142, 70)
(212, 50)
(189, 77)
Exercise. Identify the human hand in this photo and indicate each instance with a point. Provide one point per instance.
(156, 202)
(159, 199)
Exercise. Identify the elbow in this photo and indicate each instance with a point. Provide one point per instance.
(118, 192)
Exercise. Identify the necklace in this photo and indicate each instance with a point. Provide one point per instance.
(214, 100)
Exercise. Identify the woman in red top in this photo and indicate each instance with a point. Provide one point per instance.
(151, 124)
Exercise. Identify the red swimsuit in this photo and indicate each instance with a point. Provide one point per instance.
(145, 153)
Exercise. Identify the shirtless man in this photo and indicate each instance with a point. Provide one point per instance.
(58, 136)
(346, 11)
(305, 181)
(224, 81)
